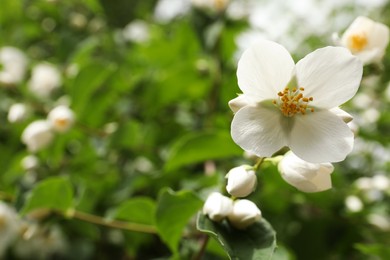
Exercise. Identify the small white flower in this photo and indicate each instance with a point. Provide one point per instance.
(44, 79)
(17, 113)
(244, 214)
(136, 31)
(61, 118)
(305, 176)
(381, 182)
(241, 181)
(217, 206)
(37, 135)
(9, 227)
(291, 105)
(167, 10)
(30, 162)
(13, 65)
(366, 39)
(353, 203)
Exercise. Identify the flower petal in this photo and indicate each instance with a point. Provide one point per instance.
(258, 130)
(264, 69)
(330, 75)
(239, 102)
(321, 137)
(346, 117)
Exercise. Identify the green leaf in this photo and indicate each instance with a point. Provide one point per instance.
(139, 210)
(256, 242)
(174, 209)
(194, 148)
(52, 193)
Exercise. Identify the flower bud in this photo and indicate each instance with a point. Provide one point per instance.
(61, 118)
(17, 113)
(37, 135)
(244, 214)
(44, 79)
(241, 181)
(30, 162)
(217, 206)
(305, 176)
(13, 65)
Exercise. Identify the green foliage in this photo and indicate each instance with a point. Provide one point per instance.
(52, 193)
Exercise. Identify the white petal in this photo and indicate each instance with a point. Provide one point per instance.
(330, 75)
(321, 137)
(258, 130)
(239, 102)
(264, 69)
(342, 114)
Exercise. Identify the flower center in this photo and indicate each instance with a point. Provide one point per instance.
(357, 42)
(292, 101)
(61, 122)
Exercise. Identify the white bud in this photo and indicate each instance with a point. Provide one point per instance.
(13, 65)
(241, 181)
(44, 79)
(217, 206)
(136, 31)
(244, 214)
(61, 118)
(17, 113)
(305, 176)
(37, 135)
(30, 162)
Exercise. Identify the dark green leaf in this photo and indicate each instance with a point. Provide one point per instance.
(139, 210)
(256, 242)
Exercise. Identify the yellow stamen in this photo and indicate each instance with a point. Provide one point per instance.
(292, 101)
(357, 42)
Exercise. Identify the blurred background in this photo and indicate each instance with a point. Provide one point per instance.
(148, 83)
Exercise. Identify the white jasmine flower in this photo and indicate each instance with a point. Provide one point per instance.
(217, 206)
(380, 182)
(380, 221)
(37, 135)
(17, 113)
(136, 31)
(61, 118)
(366, 39)
(244, 214)
(13, 65)
(241, 181)
(290, 105)
(44, 79)
(30, 162)
(305, 176)
(353, 203)
(9, 227)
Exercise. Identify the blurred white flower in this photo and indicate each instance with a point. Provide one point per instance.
(30, 162)
(45, 78)
(9, 227)
(61, 118)
(380, 221)
(40, 242)
(167, 10)
(241, 181)
(244, 214)
(353, 203)
(17, 113)
(211, 5)
(136, 31)
(37, 135)
(290, 105)
(305, 176)
(380, 182)
(13, 65)
(217, 206)
(366, 39)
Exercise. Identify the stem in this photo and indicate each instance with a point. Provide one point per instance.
(202, 249)
(110, 223)
(258, 163)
